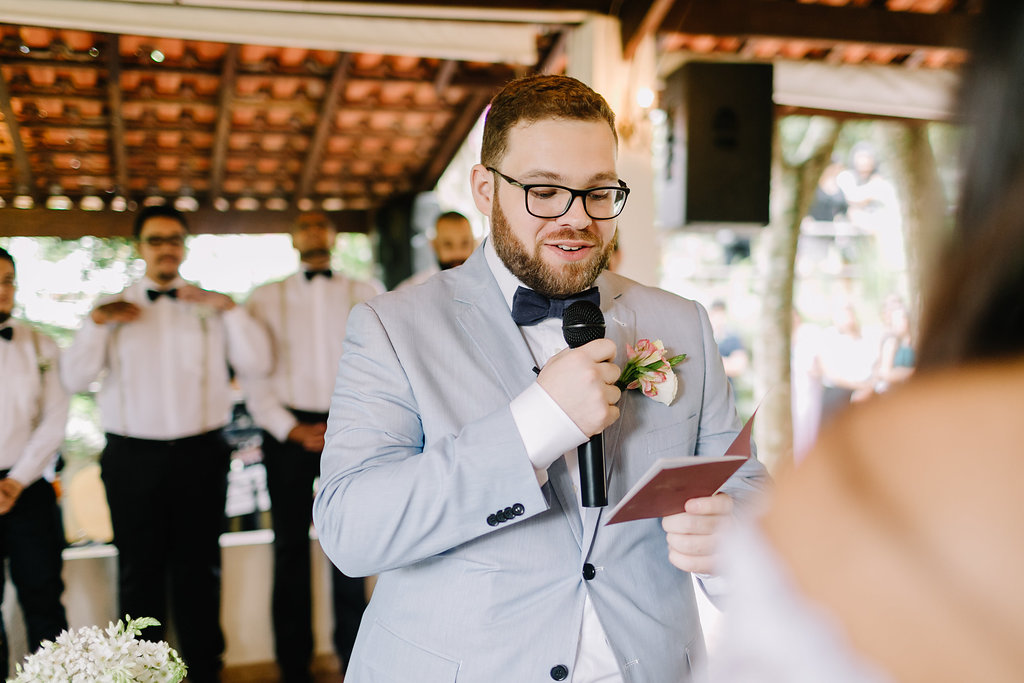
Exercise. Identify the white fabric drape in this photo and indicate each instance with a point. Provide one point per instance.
(476, 36)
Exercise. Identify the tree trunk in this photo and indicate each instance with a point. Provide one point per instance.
(793, 186)
(923, 202)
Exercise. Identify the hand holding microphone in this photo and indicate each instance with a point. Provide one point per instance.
(581, 380)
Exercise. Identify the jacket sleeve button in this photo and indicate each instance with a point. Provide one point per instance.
(518, 509)
(492, 520)
(559, 672)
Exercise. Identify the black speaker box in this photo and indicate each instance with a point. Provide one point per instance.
(718, 166)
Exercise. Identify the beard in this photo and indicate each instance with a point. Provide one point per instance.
(531, 269)
(315, 253)
(446, 265)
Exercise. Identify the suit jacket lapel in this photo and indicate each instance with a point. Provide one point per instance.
(620, 327)
(488, 323)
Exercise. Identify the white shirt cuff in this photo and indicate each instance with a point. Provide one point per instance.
(547, 432)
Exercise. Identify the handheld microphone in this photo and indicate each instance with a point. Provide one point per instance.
(582, 323)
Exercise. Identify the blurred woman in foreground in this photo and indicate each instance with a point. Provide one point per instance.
(895, 551)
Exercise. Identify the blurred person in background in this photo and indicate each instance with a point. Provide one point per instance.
(33, 413)
(161, 350)
(735, 356)
(897, 357)
(304, 316)
(453, 243)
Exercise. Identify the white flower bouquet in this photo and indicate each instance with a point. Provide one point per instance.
(92, 655)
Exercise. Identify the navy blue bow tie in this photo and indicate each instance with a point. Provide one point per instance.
(155, 294)
(530, 307)
(310, 274)
(7, 333)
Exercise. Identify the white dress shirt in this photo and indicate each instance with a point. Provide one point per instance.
(165, 375)
(33, 405)
(305, 320)
(547, 434)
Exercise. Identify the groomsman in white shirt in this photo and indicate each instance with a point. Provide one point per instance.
(304, 316)
(33, 412)
(162, 348)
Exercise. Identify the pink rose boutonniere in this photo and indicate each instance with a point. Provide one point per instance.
(649, 369)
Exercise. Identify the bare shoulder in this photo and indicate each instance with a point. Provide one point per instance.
(921, 487)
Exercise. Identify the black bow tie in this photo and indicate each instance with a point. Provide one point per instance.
(326, 272)
(155, 294)
(530, 307)
(7, 333)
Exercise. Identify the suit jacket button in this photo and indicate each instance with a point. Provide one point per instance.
(492, 520)
(588, 571)
(509, 513)
(559, 672)
(500, 516)
(518, 509)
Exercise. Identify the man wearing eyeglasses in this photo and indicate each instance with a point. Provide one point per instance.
(450, 464)
(161, 350)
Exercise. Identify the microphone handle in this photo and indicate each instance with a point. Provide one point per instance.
(593, 487)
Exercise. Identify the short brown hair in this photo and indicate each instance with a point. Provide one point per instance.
(537, 97)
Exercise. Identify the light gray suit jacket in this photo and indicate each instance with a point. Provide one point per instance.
(422, 450)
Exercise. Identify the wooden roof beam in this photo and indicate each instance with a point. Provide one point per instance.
(229, 74)
(328, 109)
(769, 18)
(76, 223)
(553, 61)
(445, 72)
(449, 145)
(22, 168)
(640, 19)
(116, 118)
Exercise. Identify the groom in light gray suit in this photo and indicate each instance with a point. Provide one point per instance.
(450, 461)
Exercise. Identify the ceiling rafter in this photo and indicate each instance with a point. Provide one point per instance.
(450, 143)
(446, 70)
(22, 167)
(324, 123)
(223, 127)
(115, 117)
(639, 20)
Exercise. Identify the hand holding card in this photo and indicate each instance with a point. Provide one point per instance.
(670, 482)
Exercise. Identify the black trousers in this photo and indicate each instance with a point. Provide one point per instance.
(31, 540)
(167, 510)
(291, 471)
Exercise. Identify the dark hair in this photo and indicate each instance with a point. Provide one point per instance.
(154, 211)
(975, 302)
(6, 256)
(451, 216)
(537, 97)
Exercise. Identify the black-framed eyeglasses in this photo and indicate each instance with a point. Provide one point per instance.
(552, 201)
(159, 241)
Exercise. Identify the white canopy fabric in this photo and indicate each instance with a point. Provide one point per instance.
(472, 34)
(879, 90)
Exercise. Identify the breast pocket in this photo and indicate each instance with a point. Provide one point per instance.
(674, 440)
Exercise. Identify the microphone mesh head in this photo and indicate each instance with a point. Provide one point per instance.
(582, 323)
